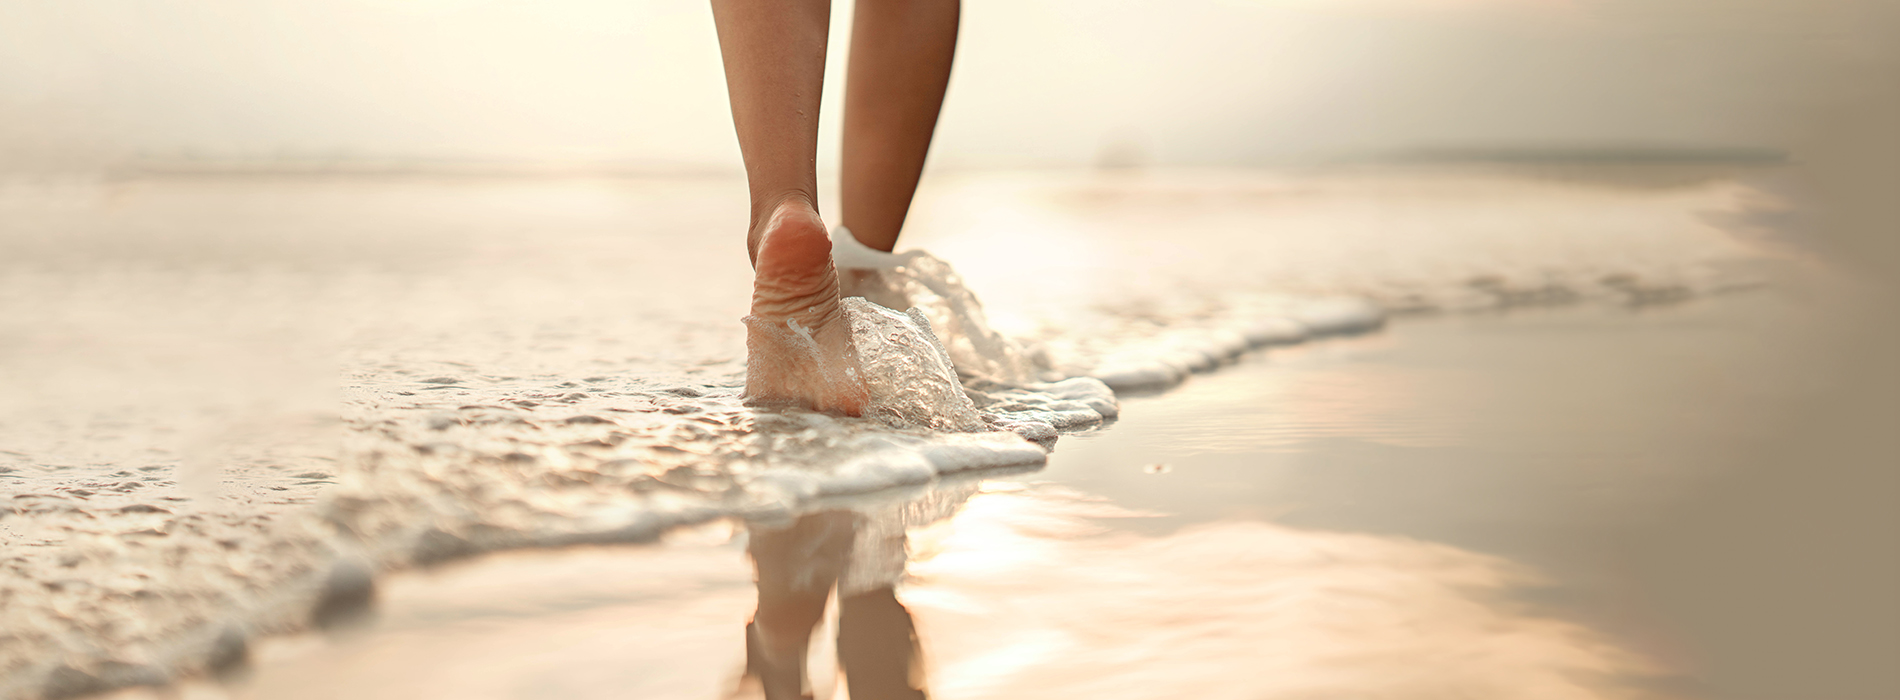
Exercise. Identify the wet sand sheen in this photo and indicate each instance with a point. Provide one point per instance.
(1471, 556)
(503, 390)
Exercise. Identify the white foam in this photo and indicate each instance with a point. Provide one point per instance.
(866, 462)
(929, 287)
(1275, 331)
(1339, 316)
(1070, 404)
(1089, 391)
(877, 471)
(979, 451)
(905, 368)
(1163, 359)
(915, 279)
(1140, 376)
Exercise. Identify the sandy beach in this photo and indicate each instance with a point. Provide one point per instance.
(547, 363)
(1296, 350)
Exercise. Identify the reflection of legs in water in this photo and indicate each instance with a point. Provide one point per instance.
(798, 343)
(796, 569)
(877, 646)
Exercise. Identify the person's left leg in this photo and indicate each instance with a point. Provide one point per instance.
(774, 55)
(900, 66)
(798, 342)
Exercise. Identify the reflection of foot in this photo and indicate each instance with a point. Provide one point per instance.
(765, 680)
(877, 645)
(798, 343)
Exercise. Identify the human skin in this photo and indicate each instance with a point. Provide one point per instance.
(901, 52)
(798, 342)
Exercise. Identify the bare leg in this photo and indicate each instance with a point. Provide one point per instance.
(797, 342)
(900, 65)
(774, 54)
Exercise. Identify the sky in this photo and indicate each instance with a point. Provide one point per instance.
(1037, 83)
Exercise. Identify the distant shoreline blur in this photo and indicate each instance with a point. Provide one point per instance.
(1715, 161)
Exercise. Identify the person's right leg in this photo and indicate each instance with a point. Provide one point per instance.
(798, 343)
(900, 66)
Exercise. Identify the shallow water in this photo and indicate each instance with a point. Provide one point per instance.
(1443, 510)
(537, 363)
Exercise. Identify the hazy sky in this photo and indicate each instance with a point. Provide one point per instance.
(1037, 82)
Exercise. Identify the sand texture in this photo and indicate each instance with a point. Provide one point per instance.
(230, 403)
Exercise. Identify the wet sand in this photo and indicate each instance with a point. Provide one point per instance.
(1453, 508)
(520, 370)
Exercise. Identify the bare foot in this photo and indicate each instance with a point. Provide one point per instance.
(798, 343)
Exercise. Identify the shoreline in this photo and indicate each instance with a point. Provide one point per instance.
(1098, 480)
(569, 395)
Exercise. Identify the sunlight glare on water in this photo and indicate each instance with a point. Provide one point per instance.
(522, 370)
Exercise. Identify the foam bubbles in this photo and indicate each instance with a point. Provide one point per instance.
(1338, 316)
(909, 374)
(917, 280)
(1150, 358)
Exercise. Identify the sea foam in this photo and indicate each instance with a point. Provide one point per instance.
(489, 402)
(906, 370)
(917, 280)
